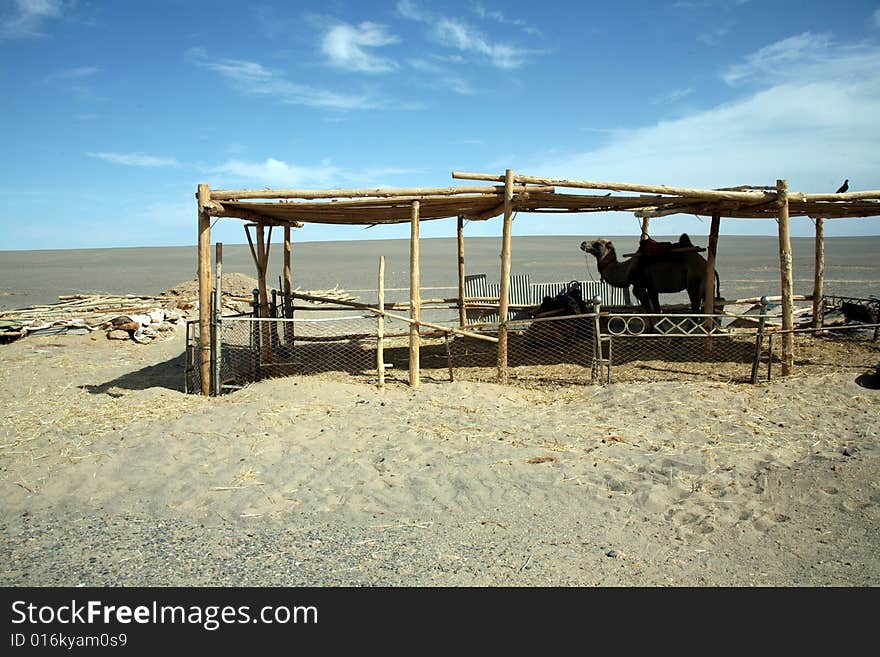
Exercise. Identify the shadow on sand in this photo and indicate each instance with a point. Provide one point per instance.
(168, 374)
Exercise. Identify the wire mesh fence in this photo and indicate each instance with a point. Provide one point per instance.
(847, 348)
(336, 341)
(539, 351)
(580, 349)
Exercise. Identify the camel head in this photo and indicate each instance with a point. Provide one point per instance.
(600, 248)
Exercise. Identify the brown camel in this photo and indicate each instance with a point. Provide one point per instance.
(650, 275)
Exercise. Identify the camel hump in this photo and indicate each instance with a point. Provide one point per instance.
(684, 240)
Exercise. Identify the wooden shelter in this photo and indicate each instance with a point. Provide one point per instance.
(292, 208)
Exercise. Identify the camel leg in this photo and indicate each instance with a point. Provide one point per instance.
(642, 295)
(654, 299)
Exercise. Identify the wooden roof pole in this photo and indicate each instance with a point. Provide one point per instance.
(785, 270)
(687, 192)
(462, 313)
(504, 291)
(415, 304)
(241, 194)
(819, 276)
(205, 287)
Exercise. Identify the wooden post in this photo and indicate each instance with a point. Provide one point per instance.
(288, 279)
(645, 223)
(288, 288)
(504, 288)
(262, 260)
(709, 300)
(785, 269)
(415, 304)
(217, 311)
(380, 325)
(204, 197)
(462, 313)
(819, 275)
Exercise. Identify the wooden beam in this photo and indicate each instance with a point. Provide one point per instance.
(819, 275)
(627, 187)
(494, 211)
(785, 270)
(238, 194)
(415, 309)
(646, 224)
(204, 269)
(846, 196)
(462, 313)
(218, 210)
(504, 288)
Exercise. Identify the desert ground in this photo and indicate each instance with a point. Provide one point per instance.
(112, 476)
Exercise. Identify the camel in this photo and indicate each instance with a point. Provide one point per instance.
(652, 274)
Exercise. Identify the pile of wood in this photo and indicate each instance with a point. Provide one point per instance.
(140, 317)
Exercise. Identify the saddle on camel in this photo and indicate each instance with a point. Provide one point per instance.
(651, 247)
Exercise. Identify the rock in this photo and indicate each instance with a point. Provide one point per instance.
(157, 316)
(611, 553)
(118, 334)
(850, 450)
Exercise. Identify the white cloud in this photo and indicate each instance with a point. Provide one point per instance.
(442, 77)
(277, 173)
(672, 96)
(254, 79)
(25, 18)
(76, 73)
(136, 159)
(813, 123)
(714, 37)
(459, 35)
(345, 46)
(776, 60)
(413, 11)
(456, 33)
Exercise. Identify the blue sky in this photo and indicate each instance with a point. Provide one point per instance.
(114, 111)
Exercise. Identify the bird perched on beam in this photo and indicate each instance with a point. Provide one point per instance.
(843, 187)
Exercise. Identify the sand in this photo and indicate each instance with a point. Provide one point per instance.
(110, 475)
